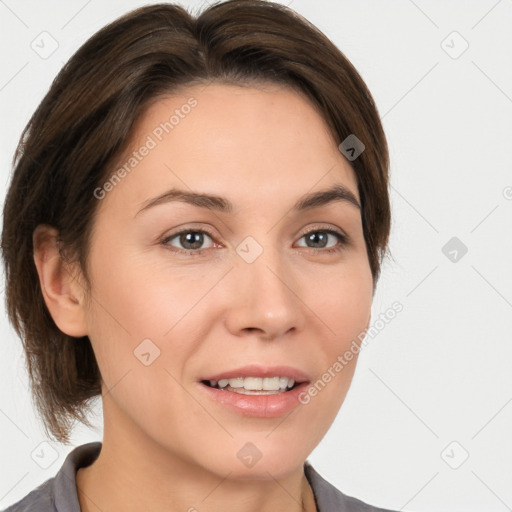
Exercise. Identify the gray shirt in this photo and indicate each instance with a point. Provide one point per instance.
(59, 494)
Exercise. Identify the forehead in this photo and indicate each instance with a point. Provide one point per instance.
(251, 144)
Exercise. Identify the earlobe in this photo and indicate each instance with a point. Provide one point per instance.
(62, 293)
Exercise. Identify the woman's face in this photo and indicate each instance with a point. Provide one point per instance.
(240, 286)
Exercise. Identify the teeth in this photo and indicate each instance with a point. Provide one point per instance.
(255, 383)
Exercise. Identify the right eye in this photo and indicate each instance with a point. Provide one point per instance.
(190, 240)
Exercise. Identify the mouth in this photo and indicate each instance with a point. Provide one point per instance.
(256, 390)
(254, 385)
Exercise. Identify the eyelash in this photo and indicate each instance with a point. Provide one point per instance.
(342, 239)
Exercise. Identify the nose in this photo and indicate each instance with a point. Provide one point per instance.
(265, 298)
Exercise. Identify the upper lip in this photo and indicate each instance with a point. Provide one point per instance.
(255, 370)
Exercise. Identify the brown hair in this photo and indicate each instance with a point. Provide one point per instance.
(84, 122)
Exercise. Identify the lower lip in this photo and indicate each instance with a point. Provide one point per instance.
(260, 406)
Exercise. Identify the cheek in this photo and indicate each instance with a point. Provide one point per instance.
(344, 306)
(341, 302)
(343, 299)
(125, 311)
(137, 294)
(349, 308)
(139, 352)
(142, 305)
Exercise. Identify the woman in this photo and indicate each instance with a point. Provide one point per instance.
(194, 231)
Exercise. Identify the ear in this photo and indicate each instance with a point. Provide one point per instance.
(63, 294)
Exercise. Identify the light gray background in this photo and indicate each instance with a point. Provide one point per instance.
(436, 382)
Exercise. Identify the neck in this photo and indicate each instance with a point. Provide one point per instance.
(134, 476)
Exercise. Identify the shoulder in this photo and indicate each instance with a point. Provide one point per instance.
(40, 498)
(330, 499)
(59, 494)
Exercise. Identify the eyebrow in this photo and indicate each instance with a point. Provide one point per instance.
(336, 193)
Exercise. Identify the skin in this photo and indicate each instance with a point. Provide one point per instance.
(166, 445)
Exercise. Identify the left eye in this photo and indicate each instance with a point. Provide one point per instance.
(320, 236)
